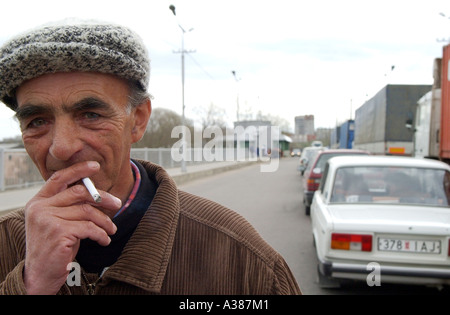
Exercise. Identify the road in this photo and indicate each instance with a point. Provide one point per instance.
(273, 203)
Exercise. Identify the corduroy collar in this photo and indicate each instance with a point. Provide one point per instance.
(144, 260)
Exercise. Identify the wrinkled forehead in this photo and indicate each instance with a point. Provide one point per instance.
(65, 89)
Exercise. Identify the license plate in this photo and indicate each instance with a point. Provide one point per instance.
(411, 246)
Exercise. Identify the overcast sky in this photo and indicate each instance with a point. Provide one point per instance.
(293, 57)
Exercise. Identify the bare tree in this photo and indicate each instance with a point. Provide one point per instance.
(213, 115)
(275, 120)
(159, 129)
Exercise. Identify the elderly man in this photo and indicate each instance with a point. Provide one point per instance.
(80, 95)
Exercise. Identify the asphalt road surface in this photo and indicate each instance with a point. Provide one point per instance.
(273, 203)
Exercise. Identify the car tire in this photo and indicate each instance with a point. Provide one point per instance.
(307, 208)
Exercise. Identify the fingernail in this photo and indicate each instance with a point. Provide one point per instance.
(93, 165)
(117, 202)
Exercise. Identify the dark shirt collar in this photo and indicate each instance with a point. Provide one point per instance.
(93, 257)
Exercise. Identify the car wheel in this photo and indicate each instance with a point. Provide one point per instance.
(307, 210)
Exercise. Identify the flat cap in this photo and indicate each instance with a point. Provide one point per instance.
(67, 46)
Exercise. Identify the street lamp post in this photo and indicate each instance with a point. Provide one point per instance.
(237, 94)
(183, 119)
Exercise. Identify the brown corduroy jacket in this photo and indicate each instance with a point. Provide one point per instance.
(184, 244)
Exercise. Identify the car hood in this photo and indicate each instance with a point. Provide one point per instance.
(391, 219)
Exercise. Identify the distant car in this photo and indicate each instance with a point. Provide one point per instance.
(383, 219)
(308, 155)
(296, 152)
(313, 174)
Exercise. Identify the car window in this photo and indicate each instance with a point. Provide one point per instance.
(323, 159)
(312, 154)
(324, 177)
(399, 185)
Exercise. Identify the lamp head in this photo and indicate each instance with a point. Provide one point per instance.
(172, 8)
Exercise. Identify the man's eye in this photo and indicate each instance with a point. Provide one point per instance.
(91, 115)
(36, 123)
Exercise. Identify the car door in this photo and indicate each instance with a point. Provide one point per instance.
(320, 220)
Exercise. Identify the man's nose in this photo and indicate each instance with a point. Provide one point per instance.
(65, 140)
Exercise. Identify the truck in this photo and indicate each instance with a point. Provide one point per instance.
(380, 122)
(347, 134)
(444, 134)
(342, 135)
(431, 125)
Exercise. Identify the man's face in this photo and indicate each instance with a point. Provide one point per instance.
(67, 118)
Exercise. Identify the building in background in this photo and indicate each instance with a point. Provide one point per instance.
(304, 128)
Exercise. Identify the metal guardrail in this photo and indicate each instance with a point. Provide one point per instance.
(17, 170)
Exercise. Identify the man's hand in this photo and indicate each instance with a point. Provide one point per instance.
(56, 219)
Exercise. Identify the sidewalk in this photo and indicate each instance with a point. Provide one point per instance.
(13, 199)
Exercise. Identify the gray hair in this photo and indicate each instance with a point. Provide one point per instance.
(136, 95)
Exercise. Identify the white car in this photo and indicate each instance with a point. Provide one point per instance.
(382, 220)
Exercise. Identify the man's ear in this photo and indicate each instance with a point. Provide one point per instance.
(142, 115)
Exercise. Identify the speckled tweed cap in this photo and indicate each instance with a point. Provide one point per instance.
(63, 47)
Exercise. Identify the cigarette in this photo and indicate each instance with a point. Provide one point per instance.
(92, 190)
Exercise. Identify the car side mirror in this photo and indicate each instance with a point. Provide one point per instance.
(317, 170)
(409, 124)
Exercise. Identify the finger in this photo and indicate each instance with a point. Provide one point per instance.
(109, 201)
(79, 194)
(56, 218)
(62, 179)
(79, 230)
(79, 206)
(87, 213)
(76, 204)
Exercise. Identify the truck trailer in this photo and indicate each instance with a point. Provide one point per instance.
(444, 134)
(427, 125)
(380, 123)
(432, 120)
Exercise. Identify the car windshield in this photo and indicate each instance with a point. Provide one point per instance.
(399, 185)
(307, 153)
(311, 156)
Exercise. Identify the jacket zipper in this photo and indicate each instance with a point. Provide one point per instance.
(90, 287)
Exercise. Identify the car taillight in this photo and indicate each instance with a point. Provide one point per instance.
(312, 184)
(358, 242)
